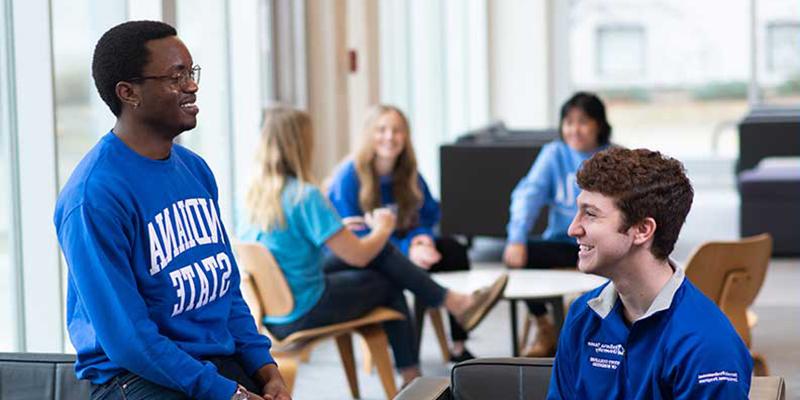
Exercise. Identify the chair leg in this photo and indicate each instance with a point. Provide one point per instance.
(287, 366)
(305, 355)
(345, 344)
(379, 348)
(526, 331)
(759, 364)
(368, 362)
(438, 327)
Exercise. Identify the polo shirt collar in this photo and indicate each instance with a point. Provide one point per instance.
(605, 301)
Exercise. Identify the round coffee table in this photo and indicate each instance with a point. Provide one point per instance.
(545, 285)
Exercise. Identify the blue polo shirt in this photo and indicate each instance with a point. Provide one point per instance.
(683, 347)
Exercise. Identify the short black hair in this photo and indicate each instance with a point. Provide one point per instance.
(590, 104)
(120, 54)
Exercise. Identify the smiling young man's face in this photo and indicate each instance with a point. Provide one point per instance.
(596, 227)
(169, 103)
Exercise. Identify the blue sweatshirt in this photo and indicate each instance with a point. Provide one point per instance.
(551, 181)
(683, 347)
(343, 193)
(153, 285)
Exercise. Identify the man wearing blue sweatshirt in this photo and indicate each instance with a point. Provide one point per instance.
(153, 302)
(648, 333)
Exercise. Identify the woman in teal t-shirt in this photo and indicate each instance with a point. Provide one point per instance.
(289, 215)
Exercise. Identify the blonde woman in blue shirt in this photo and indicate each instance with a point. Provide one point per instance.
(288, 214)
(383, 173)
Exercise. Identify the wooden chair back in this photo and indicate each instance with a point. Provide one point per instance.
(269, 286)
(731, 274)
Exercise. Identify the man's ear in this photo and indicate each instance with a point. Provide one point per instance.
(644, 230)
(128, 94)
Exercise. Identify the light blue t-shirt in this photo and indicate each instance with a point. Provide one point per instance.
(298, 246)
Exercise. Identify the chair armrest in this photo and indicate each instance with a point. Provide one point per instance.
(426, 388)
(767, 388)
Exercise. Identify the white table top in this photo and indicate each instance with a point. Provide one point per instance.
(522, 283)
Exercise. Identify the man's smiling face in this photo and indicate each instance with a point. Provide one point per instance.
(596, 227)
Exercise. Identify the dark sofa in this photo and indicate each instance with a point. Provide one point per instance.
(478, 173)
(40, 376)
(525, 379)
(770, 194)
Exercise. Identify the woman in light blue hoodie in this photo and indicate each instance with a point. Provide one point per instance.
(551, 182)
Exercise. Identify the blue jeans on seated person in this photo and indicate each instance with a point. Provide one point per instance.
(351, 292)
(129, 386)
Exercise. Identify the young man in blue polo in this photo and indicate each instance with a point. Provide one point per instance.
(648, 333)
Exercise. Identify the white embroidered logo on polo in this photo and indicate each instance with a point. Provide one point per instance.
(606, 349)
(719, 376)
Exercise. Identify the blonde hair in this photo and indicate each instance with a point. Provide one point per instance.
(405, 187)
(283, 151)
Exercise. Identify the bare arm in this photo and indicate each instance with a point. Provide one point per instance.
(357, 251)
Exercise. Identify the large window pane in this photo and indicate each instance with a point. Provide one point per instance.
(671, 80)
(8, 320)
(201, 25)
(81, 116)
(778, 38)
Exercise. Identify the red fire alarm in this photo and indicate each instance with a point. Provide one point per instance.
(352, 56)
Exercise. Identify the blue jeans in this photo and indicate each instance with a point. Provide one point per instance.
(351, 292)
(129, 386)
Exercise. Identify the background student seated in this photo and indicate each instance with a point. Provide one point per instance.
(383, 173)
(289, 215)
(551, 181)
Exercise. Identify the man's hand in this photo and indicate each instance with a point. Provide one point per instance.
(515, 255)
(423, 251)
(250, 395)
(274, 387)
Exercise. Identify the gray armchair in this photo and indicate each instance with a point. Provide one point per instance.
(525, 378)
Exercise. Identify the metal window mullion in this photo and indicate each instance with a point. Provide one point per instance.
(15, 230)
(230, 139)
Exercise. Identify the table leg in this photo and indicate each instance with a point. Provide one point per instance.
(558, 314)
(512, 303)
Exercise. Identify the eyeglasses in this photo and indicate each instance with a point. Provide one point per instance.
(179, 79)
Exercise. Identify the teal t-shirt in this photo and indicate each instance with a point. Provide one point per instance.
(298, 246)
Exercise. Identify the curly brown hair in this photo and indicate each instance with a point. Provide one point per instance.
(643, 183)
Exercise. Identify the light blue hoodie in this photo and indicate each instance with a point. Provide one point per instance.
(551, 181)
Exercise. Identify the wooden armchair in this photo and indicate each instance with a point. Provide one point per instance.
(731, 275)
(267, 293)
